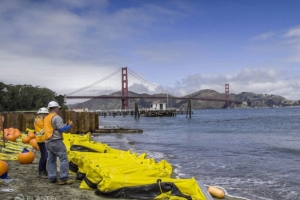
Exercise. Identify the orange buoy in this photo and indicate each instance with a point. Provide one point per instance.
(26, 157)
(31, 135)
(11, 137)
(33, 143)
(17, 133)
(216, 192)
(11, 130)
(26, 140)
(3, 169)
(7, 134)
(5, 131)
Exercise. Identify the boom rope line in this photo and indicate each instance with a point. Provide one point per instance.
(95, 83)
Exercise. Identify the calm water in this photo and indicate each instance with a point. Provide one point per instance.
(254, 153)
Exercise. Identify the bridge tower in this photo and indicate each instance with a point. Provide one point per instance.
(124, 88)
(227, 96)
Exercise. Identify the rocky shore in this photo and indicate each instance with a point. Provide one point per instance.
(27, 186)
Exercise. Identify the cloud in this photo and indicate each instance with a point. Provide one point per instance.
(282, 45)
(66, 45)
(292, 32)
(264, 36)
(261, 81)
(69, 44)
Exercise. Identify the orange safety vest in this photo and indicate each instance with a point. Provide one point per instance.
(39, 125)
(48, 127)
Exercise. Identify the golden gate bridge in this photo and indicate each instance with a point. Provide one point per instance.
(125, 97)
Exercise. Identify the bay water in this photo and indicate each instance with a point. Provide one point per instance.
(252, 153)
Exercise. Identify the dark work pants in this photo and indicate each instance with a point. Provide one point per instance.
(44, 156)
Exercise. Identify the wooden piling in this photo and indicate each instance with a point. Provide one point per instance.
(1, 123)
(2, 129)
(83, 122)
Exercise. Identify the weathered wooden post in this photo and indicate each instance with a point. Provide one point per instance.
(91, 119)
(72, 117)
(136, 110)
(189, 110)
(1, 129)
(86, 122)
(97, 118)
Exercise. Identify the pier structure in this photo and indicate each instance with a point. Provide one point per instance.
(143, 112)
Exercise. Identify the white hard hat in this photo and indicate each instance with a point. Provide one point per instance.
(43, 110)
(53, 104)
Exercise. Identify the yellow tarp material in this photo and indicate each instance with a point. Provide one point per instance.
(69, 136)
(140, 187)
(76, 157)
(95, 173)
(91, 146)
(87, 164)
(96, 155)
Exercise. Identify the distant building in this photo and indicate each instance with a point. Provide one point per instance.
(80, 109)
(244, 103)
(157, 105)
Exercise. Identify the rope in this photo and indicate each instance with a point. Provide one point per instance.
(159, 180)
(95, 83)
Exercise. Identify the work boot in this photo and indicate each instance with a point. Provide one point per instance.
(53, 181)
(66, 182)
(43, 175)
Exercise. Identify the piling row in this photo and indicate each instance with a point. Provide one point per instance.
(83, 122)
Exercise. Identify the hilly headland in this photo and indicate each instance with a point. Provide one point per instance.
(247, 99)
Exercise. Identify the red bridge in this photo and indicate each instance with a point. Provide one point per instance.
(125, 97)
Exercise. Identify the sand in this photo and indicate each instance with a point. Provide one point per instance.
(28, 186)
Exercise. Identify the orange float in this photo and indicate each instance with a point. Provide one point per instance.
(26, 140)
(11, 130)
(17, 133)
(5, 131)
(26, 157)
(34, 144)
(11, 137)
(3, 169)
(216, 192)
(31, 135)
(5, 135)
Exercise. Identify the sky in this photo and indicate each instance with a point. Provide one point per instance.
(180, 45)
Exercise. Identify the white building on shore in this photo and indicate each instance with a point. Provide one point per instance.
(157, 105)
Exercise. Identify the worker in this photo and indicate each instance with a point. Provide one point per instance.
(54, 128)
(40, 139)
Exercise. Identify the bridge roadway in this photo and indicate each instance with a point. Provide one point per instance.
(152, 97)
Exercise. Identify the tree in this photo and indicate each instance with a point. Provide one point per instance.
(25, 97)
(61, 101)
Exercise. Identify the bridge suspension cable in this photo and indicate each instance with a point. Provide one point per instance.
(95, 83)
(146, 82)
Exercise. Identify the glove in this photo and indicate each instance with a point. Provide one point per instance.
(70, 122)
